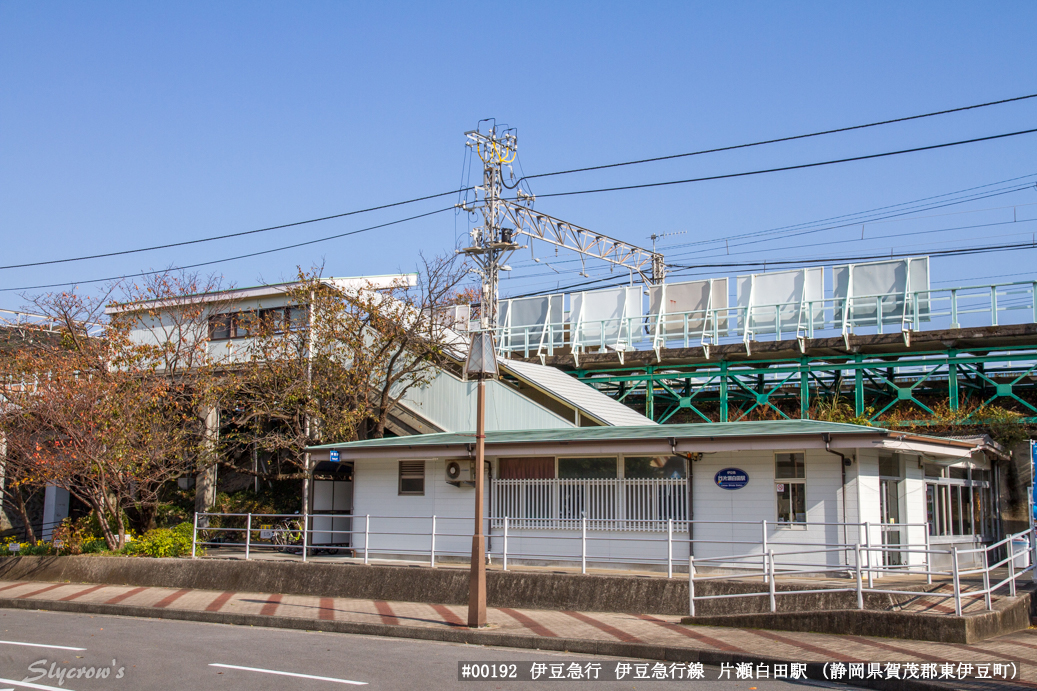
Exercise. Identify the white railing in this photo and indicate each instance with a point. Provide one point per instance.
(622, 542)
(944, 308)
(630, 504)
(869, 561)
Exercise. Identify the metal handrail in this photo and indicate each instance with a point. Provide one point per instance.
(911, 310)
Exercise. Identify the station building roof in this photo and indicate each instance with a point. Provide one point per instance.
(659, 439)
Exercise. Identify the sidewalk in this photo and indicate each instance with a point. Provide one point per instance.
(627, 635)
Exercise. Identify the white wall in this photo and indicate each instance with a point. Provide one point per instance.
(376, 486)
(757, 502)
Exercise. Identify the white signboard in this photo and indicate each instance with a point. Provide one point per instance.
(611, 318)
(700, 303)
(886, 285)
(786, 298)
(525, 319)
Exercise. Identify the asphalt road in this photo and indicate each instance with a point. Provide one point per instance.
(145, 654)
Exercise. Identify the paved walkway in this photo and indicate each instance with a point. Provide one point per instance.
(645, 629)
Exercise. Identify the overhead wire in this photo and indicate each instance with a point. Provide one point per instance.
(862, 218)
(780, 169)
(228, 259)
(775, 141)
(681, 270)
(231, 235)
(873, 215)
(727, 251)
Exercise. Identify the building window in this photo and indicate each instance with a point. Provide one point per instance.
(889, 507)
(230, 325)
(588, 468)
(412, 477)
(533, 468)
(655, 467)
(959, 501)
(220, 327)
(790, 487)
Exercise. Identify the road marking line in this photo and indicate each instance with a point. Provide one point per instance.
(40, 645)
(289, 674)
(28, 685)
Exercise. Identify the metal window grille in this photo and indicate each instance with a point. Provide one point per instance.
(412, 477)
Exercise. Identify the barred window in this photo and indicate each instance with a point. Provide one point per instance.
(412, 477)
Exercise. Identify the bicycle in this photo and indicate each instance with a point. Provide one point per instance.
(287, 536)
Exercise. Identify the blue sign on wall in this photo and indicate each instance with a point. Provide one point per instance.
(731, 478)
(334, 456)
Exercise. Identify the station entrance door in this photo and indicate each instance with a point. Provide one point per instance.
(332, 502)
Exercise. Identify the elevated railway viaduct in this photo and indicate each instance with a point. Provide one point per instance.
(962, 377)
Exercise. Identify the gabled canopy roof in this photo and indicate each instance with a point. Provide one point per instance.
(659, 439)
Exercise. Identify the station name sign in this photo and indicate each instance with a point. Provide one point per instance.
(731, 478)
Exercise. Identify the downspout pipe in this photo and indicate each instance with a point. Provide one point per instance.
(827, 439)
(691, 494)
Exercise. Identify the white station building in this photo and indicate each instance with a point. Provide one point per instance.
(653, 494)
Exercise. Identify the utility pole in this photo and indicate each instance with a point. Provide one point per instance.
(492, 243)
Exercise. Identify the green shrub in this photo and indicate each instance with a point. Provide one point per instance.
(93, 545)
(27, 549)
(163, 542)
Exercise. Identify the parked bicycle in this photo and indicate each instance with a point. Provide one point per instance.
(288, 536)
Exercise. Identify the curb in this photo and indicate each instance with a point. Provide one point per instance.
(463, 635)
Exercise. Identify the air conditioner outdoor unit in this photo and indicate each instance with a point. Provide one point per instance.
(460, 473)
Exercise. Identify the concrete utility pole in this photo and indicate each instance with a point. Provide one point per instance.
(481, 365)
(492, 243)
(504, 220)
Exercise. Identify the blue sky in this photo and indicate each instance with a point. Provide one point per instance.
(130, 124)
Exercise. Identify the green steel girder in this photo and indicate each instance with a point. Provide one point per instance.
(878, 383)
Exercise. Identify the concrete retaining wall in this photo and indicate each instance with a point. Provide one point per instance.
(520, 589)
(1012, 614)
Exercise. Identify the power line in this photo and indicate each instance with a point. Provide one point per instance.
(787, 168)
(870, 215)
(860, 217)
(800, 262)
(818, 230)
(880, 237)
(228, 259)
(234, 235)
(773, 141)
(983, 249)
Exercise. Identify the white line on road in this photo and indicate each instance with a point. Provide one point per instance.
(27, 685)
(289, 674)
(39, 645)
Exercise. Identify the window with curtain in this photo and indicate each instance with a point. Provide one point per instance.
(534, 468)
